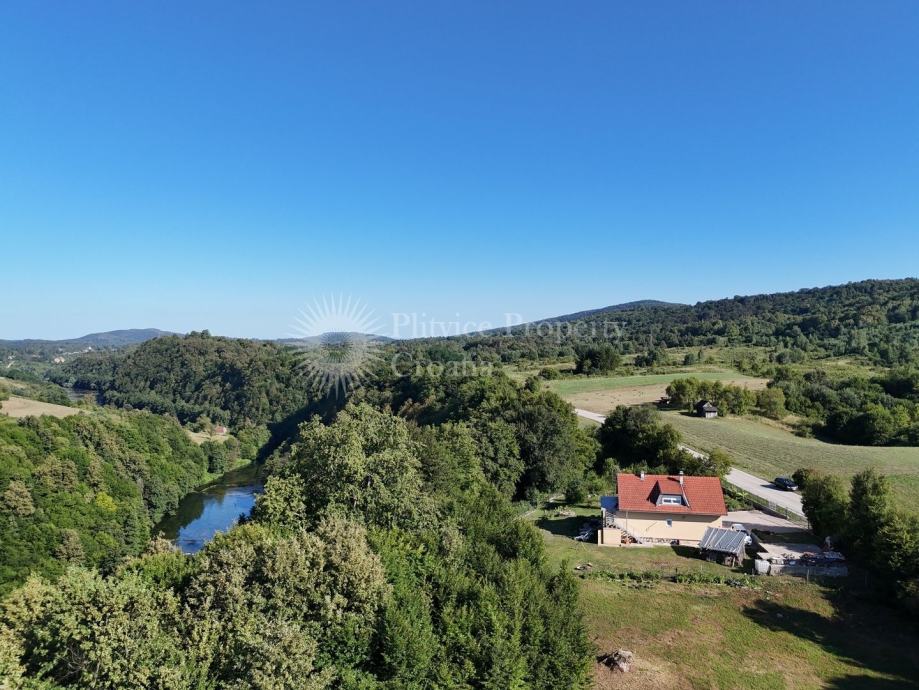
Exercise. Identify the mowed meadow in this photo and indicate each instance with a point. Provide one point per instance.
(17, 407)
(603, 393)
(767, 451)
(783, 633)
(756, 445)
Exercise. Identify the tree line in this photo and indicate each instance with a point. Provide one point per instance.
(862, 522)
(877, 320)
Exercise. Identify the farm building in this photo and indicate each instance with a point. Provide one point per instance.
(661, 509)
(705, 409)
(723, 545)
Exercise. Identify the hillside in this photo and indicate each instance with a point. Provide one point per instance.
(877, 320)
(625, 306)
(230, 381)
(104, 340)
(87, 489)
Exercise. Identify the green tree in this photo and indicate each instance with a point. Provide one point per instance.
(365, 464)
(684, 392)
(825, 504)
(771, 402)
(598, 359)
(103, 634)
(634, 435)
(17, 499)
(282, 503)
(716, 464)
(869, 508)
(802, 475)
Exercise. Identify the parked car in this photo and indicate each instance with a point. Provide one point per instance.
(785, 483)
(738, 527)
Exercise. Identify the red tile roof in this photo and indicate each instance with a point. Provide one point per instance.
(703, 494)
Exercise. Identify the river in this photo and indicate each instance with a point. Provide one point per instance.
(214, 508)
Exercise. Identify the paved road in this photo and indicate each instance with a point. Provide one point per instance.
(587, 414)
(742, 480)
(765, 489)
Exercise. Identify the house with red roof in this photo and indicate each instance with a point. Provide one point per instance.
(663, 509)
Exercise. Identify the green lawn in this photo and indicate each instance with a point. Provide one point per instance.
(784, 633)
(767, 451)
(573, 386)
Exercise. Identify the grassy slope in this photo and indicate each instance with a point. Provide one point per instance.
(768, 451)
(23, 407)
(572, 386)
(788, 634)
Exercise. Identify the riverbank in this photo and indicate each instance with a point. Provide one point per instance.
(213, 507)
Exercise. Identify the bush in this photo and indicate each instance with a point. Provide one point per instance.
(576, 491)
(548, 373)
(801, 475)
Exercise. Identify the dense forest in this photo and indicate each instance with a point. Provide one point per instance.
(87, 489)
(377, 557)
(875, 319)
(226, 380)
(881, 410)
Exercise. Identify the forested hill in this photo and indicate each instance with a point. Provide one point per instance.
(625, 306)
(230, 381)
(878, 319)
(87, 489)
(105, 340)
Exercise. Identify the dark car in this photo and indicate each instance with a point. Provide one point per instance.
(785, 483)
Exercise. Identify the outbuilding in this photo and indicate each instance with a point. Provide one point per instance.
(705, 409)
(723, 545)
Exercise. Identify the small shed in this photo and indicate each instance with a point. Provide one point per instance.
(723, 545)
(705, 409)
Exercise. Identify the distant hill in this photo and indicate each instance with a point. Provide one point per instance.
(335, 338)
(874, 319)
(625, 306)
(232, 381)
(105, 340)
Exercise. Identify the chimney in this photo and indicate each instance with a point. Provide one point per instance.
(642, 475)
(681, 477)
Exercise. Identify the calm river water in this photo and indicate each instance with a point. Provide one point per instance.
(215, 508)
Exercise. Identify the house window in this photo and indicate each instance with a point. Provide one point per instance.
(669, 523)
(671, 500)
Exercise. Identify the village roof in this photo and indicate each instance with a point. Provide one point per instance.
(723, 540)
(706, 406)
(703, 495)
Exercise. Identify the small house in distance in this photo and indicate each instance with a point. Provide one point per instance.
(661, 509)
(705, 409)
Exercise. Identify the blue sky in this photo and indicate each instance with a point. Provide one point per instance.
(219, 165)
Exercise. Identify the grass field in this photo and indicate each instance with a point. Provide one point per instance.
(24, 407)
(199, 437)
(603, 393)
(768, 451)
(783, 634)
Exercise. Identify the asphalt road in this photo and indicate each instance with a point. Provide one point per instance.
(763, 488)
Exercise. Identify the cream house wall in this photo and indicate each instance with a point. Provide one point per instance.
(653, 526)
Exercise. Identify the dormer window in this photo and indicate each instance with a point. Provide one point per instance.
(671, 500)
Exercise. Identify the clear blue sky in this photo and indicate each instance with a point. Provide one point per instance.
(188, 165)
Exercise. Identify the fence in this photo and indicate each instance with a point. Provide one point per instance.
(765, 505)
